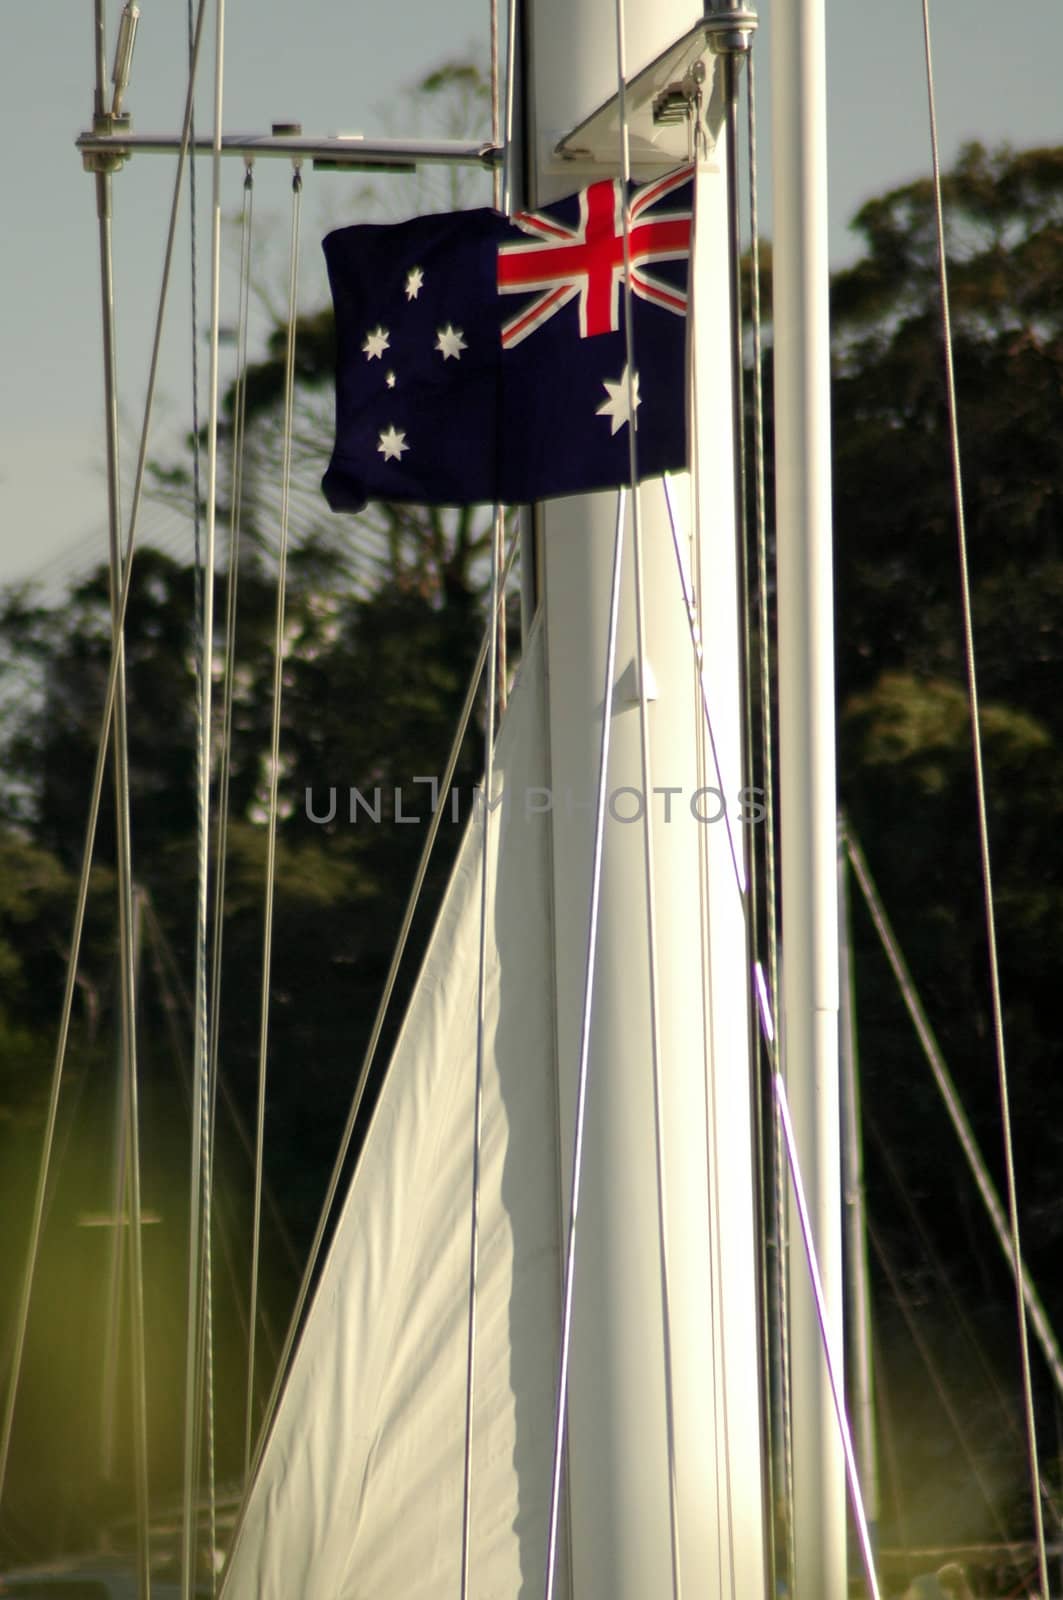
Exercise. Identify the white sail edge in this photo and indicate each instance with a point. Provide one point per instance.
(359, 1492)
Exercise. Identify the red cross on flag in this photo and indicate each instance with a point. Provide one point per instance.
(587, 260)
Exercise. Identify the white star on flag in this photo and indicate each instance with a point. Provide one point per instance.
(414, 280)
(449, 342)
(376, 343)
(390, 380)
(616, 408)
(392, 443)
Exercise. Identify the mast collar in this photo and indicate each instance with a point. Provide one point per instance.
(108, 124)
(729, 27)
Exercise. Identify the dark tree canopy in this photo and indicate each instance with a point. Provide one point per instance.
(906, 767)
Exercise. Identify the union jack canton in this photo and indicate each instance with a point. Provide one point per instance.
(484, 359)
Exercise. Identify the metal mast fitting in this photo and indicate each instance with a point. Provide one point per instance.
(123, 55)
(109, 127)
(111, 142)
(332, 151)
(729, 28)
(675, 103)
(658, 101)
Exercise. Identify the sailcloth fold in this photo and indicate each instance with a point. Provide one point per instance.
(359, 1491)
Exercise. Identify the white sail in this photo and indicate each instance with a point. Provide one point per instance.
(359, 1493)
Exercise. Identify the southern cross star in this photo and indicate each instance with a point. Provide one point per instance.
(616, 408)
(414, 280)
(376, 343)
(449, 342)
(390, 380)
(392, 443)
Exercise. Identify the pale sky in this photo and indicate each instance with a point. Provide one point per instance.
(342, 67)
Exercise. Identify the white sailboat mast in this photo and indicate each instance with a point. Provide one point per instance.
(626, 1499)
(808, 803)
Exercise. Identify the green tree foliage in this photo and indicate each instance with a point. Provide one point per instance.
(906, 763)
(372, 689)
(895, 523)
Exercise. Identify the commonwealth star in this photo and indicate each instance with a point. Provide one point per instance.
(617, 407)
(392, 443)
(376, 343)
(449, 342)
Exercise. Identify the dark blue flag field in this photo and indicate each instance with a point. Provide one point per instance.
(484, 359)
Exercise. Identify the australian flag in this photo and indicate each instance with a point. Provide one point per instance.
(484, 358)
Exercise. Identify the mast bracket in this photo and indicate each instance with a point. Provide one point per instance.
(676, 101)
(108, 125)
(659, 99)
(111, 141)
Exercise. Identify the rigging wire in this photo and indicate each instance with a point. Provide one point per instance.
(193, 289)
(953, 1105)
(692, 590)
(229, 680)
(115, 1280)
(647, 815)
(511, 93)
(705, 729)
(378, 1025)
(498, 532)
(205, 1330)
(36, 1224)
(748, 874)
(779, 1219)
(858, 1316)
(982, 814)
(691, 608)
(200, 1197)
(126, 1213)
(829, 1337)
(168, 980)
(583, 1071)
(730, 82)
(274, 778)
(711, 1143)
(695, 138)
(127, 919)
(175, 979)
(99, 102)
(496, 118)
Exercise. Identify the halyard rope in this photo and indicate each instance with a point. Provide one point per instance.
(229, 679)
(983, 822)
(830, 1338)
(782, 1288)
(274, 780)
